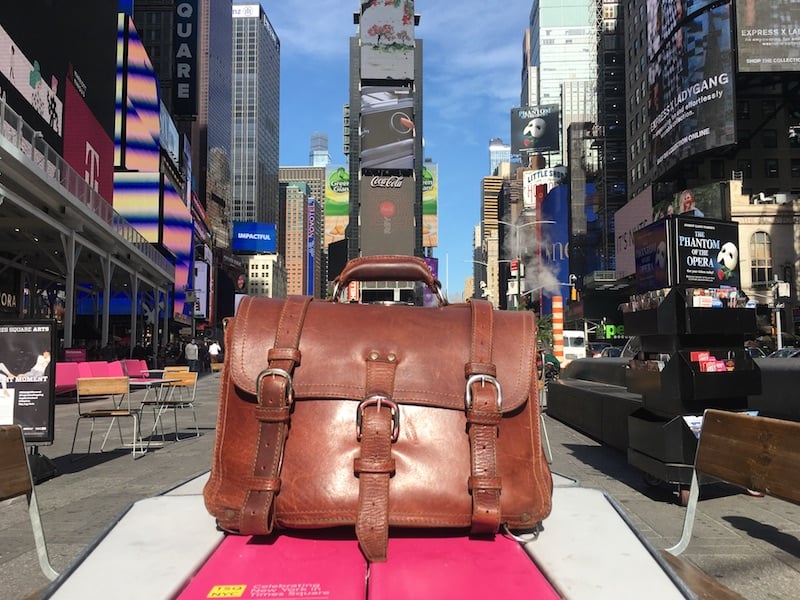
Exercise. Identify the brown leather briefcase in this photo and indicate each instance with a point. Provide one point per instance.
(378, 416)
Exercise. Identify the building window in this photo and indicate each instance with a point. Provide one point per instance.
(769, 138)
(745, 166)
(795, 167)
(743, 109)
(771, 168)
(760, 258)
(717, 169)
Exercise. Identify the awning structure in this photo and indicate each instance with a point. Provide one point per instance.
(56, 230)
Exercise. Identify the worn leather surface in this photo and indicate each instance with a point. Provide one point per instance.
(431, 466)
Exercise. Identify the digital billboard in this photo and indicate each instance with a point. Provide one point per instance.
(691, 99)
(553, 240)
(337, 202)
(387, 40)
(430, 205)
(654, 256)
(768, 35)
(137, 124)
(687, 251)
(201, 272)
(87, 147)
(387, 127)
(535, 129)
(137, 199)
(387, 215)
(177, 227)
(707, 252)
(40, 50)
(628, 219)
(701, 201)
(251, 237)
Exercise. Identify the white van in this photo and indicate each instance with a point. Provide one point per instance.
(574, 345)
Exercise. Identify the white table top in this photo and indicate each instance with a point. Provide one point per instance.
(591, 552)
(149, 553)
(587, 550)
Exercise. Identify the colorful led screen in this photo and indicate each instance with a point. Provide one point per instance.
(387, 39)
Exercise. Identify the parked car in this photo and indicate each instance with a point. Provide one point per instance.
(611, 352)
(755, 352)
(596, 348)
(785, 352)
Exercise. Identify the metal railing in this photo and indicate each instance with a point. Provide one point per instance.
(14, 128)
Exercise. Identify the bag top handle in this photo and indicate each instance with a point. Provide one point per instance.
(387, 268)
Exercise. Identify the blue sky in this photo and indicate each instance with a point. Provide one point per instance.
(472, 65)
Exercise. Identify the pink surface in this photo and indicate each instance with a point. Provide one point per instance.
(285, 567)
(457, 568)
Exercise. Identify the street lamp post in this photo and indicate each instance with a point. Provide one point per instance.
(517, 227)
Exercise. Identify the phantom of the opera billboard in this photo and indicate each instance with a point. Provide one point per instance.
(688, 252)
(27, 377)
(535, 129)
(691, 85)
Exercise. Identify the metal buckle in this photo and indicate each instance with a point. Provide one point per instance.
(483, 379)
(281, 373)
(378, 400)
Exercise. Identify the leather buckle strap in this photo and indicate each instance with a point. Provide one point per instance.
(378, 401)
(288, 392)
(483, 404)
(275, 397)
(377, 427)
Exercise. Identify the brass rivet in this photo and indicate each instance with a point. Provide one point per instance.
(374, 355)
(391, 357)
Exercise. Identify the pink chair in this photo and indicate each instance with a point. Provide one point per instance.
(132, 368)
(66, 378)
(84, 369)
(99, 368)
(115, 369)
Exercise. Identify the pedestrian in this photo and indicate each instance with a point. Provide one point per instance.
(192, 352)
(215, 351)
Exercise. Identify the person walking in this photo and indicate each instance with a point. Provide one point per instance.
(192, 352)
(214, 350)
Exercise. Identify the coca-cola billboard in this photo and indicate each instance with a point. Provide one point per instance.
(387, 215)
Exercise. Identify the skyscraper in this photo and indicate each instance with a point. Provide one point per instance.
(319, 156)
(256, 116)
(499, 152)
(385, 136)
(560, 51)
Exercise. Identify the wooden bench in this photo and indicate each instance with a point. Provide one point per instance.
(757, 453)
(16, 481)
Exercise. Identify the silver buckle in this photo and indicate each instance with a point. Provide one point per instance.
(483, 379)
(280, 373)
(379, 400)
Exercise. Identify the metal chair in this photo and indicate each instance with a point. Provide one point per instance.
(15, 481)
(116, 392)
(180, 395)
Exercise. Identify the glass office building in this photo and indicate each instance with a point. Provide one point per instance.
(256, 116)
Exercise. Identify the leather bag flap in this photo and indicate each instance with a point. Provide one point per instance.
(431, 347)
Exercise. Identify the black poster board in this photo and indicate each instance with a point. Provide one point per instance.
(687, 251)
(27, 377)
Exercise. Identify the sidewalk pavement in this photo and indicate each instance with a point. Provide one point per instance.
(750, 544)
